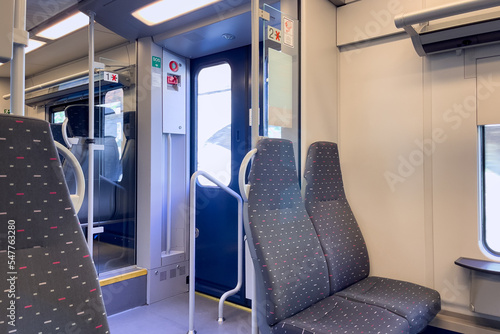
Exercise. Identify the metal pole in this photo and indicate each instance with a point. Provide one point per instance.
(169, 194)
(443, 11)
(229, 293)
(17, 66)
(255, 72)
(90, 140)
(192, 241)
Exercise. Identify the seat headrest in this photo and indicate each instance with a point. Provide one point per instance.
(57, 132)
(129, 124)
(322, 173)
(275, 166)
(78, 120)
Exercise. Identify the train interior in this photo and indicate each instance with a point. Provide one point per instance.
(161, 105)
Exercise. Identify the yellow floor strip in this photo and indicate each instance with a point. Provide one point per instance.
(123, 277)
(243, 308)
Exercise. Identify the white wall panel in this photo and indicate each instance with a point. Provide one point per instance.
(4, 90)
(319, 73)
(488, 99)
(455, 213)
(6, 27)
(381, 101)
(368, 19)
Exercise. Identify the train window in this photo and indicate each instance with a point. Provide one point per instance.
(58, 117)
(490, 172)
(114, 122)
(214, 122)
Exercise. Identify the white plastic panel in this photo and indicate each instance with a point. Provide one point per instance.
(488, 93)
(6, 27)
(174, 94)
(485, 293)
(364, 20)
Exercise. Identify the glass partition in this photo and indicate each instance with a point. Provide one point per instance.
(281, 76)
(114, 181)
(115, 166)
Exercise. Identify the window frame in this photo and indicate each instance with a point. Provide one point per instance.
(482, 192)
(206, 183)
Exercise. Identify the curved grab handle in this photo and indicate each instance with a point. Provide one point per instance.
(77, 198)
(65, 133)
(241, 176)
(192, 245)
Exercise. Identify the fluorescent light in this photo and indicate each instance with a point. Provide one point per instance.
(33, 45)
(66, 26)
(165, 10)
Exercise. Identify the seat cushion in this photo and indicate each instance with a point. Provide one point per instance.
(414, 302)
(338, 315)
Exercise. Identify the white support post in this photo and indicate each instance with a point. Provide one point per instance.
(169, 194)
(90, 186)
(18, 63)
(255, 72)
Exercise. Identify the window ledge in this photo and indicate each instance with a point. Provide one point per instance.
(488, 267)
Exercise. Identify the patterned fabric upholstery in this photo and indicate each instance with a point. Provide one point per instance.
(345, 249)
(418, 304)
(337, 315)
(331, 214)
(56, 288)
(289, 255)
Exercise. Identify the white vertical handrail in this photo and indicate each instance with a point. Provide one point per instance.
(192, 244)
(90, 215)
(169, 194)
(255, 72)
(18, 62)
(244, 190)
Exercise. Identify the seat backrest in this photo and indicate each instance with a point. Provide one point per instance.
(126, 199)
(107, 167)
(331, 214)
(287, 252)
(56, 129)
(41, 242)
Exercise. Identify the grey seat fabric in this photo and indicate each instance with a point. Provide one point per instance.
(56, 289)
(345, 249)
(292, 275)
(418, 304)
(289, 255)
(337, 315)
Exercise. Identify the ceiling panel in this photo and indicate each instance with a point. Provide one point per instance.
(40, 11)
(66, 49)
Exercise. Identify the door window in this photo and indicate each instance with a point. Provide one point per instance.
(214, 123)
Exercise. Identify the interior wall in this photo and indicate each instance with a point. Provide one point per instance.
(319, 75)
(4, 90)
(408, 146)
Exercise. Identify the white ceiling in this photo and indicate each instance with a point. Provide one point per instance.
(39, 14)
(115, 25)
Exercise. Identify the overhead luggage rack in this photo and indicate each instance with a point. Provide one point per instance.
(453, 35)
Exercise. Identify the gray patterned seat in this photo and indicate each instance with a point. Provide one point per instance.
(292, 275)
(345, 249)
(56, 288)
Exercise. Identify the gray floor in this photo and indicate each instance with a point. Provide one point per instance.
(170, 316)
